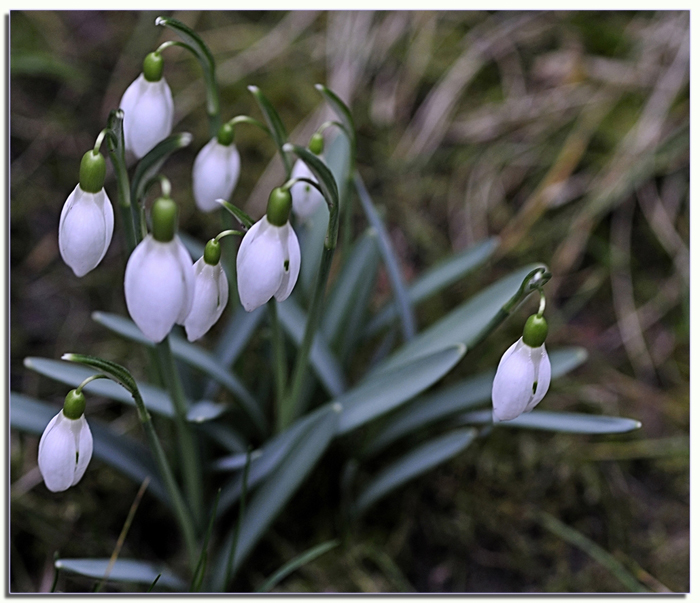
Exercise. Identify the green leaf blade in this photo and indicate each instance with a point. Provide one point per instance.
(124, 570)
(415, 463)
(562, 422)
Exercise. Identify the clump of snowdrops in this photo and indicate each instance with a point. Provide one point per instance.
(241, 458)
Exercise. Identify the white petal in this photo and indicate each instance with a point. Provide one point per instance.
(210, 297)
(148, 114)
(543, 375)
(83, 435)
(292, 255)
(184, 260)
(157, 286)
(306, 199)
(215, 174)
(512, 385)
(85, 229)
(259, 264)
(57, 450)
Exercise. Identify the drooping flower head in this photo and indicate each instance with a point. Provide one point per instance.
(159, 280)
(210, 292)
(269, 257)
(148, 108)
(65, 447)
(306, 199)
(87, 218)
(523, 374)
(216, 170)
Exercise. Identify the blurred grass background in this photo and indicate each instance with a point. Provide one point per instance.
(566, 133)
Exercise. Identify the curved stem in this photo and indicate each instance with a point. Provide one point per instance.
(533, 281)
(246, 119)
(99, 139)
(227, 233)
(79, 389)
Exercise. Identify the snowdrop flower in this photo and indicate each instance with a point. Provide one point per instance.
(87, 218)
(216, 170)
(523, 374)
(148, 108)
(65, 447)
(306, 198)
(269, 258)
(210, 292)
(159, 280)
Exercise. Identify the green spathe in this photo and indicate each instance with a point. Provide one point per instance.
(74, 405)
(278, 207)
(92, 172)
(535, 331)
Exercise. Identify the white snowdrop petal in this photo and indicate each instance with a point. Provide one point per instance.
(57, 454)
(512, 385)
(156, 287)
(85, 229)
(210, 298)
(184, 260)
(215, 174)
(259, 264)
(84, 447)
(148, 114)
(292, 254)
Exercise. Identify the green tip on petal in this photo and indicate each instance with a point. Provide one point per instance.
(212, 252)
(74, 406)
(153, 67)
(92, 172)
(316, 143)
(278, 206)
(535, 331)
(164, 219)
(225, 135)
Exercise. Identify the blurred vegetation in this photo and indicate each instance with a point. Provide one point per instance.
(567, 133)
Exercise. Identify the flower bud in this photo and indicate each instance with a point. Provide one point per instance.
(522, 379)
(267, 264)
(65, 447)
(316, 143)
(215, 173)
(148, 113)
(306, 198)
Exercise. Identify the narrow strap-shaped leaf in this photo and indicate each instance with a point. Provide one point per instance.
(197, 46)
(121, 452)
(350, 290)
(323, 361)
(193, 355)
(206, 410)
(464, 324)
(274, 122)
(415, 463)
(408, 322)
(564, 422)
(237, 334)
(295, 564)
(382, 393)
(124, 570)
(436, 278)
(148, 168)
(273, 495)
(457, 398)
